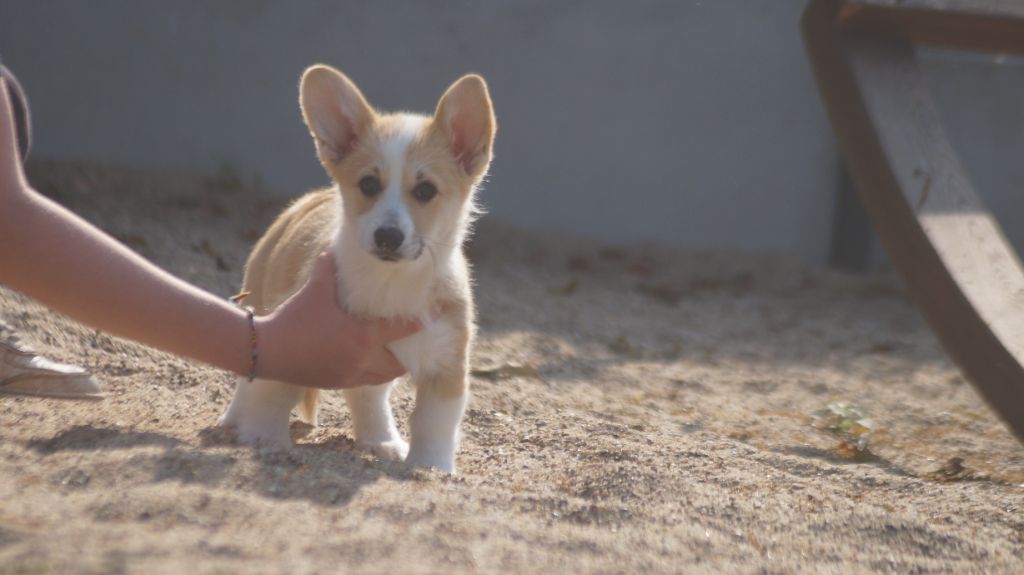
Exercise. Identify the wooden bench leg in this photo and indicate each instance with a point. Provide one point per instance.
(945, 244)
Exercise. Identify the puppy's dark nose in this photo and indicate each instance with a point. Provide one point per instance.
(388, 239)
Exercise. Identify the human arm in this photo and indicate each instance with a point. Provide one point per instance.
(55, 257)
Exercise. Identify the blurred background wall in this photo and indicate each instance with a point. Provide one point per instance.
(691, 123)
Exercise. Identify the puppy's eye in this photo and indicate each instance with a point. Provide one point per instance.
(370, 186)
(424, 192)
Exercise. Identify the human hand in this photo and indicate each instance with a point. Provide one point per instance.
(308, 340)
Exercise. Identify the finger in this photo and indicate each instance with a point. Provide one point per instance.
(389, 330)
(375, 379)
(384, 368)
(322, 285)
(370, 378)
(9, 164)
(317, 285)
(324, 273)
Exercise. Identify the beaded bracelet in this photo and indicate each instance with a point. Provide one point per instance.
(255, 353)
(254, 347)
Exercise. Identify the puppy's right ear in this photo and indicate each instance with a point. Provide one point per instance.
(335, 111)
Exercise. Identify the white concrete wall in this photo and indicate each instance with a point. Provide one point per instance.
(688, 122)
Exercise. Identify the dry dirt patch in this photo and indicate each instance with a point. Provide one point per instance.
(635, 409)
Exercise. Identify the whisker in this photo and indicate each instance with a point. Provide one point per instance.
(433, 257)
(429, 241)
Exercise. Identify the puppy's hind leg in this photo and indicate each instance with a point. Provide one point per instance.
(373, 423)
(260, 410)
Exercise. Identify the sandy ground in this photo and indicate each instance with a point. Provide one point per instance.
(635, 410)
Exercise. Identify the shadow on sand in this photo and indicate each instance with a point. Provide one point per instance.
(330, 472)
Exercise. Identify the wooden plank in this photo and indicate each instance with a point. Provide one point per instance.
(998, 8)
(979, 25)
(946, 246)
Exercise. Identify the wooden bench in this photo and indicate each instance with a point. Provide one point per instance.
(948, 248)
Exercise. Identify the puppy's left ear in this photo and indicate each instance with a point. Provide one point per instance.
(466, 117)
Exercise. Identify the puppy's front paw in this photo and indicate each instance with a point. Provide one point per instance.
(264, 436)
(437, 458)
(391, 450)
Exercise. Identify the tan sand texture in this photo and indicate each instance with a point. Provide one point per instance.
(635, 410)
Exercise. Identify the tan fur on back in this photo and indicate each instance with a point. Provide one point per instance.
(281, 261)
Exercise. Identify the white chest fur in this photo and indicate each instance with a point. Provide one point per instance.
(427, 352)
(382, 290)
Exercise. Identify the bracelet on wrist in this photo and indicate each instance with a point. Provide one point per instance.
(254, 352)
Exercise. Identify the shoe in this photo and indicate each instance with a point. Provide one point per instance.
(24, 372)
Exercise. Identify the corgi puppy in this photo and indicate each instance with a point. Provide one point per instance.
(395, 220)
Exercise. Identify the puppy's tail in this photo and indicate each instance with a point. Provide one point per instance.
(310, 406)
